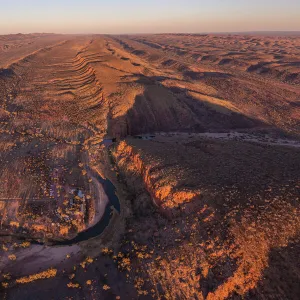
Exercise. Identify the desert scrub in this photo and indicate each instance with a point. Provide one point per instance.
(4, 284)
(106, 287)
(106, 251)
(7, 276)
(14, 224)
(43, 275)
(87, 261)
(73, 285)
(25, 244)
(12, 257)
(125, 264)
(22, 245)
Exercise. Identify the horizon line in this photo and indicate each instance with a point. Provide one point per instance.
(154, 33)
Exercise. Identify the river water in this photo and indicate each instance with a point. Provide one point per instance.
(99, 227)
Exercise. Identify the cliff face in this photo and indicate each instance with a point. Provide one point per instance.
(221, 221)
(163, 192)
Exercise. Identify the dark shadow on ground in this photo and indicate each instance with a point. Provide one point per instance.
(169, 109)
(281, 279)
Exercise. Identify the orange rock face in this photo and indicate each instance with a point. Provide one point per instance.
(224, 227)
(198, 133)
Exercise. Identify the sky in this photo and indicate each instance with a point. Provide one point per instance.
(148, 16)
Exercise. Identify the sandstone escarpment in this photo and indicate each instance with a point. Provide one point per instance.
(237, 213)
(162, 191)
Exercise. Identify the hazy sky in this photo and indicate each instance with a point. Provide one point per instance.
(147, 16)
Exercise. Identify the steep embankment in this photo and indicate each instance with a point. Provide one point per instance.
(164, 194)
(231, 215)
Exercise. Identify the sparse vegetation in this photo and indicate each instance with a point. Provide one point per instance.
(199, 134)
(42, 275)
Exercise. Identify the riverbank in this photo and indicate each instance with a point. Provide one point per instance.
(54, 253)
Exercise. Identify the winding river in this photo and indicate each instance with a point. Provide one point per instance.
(99, 227)
(93, 231)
